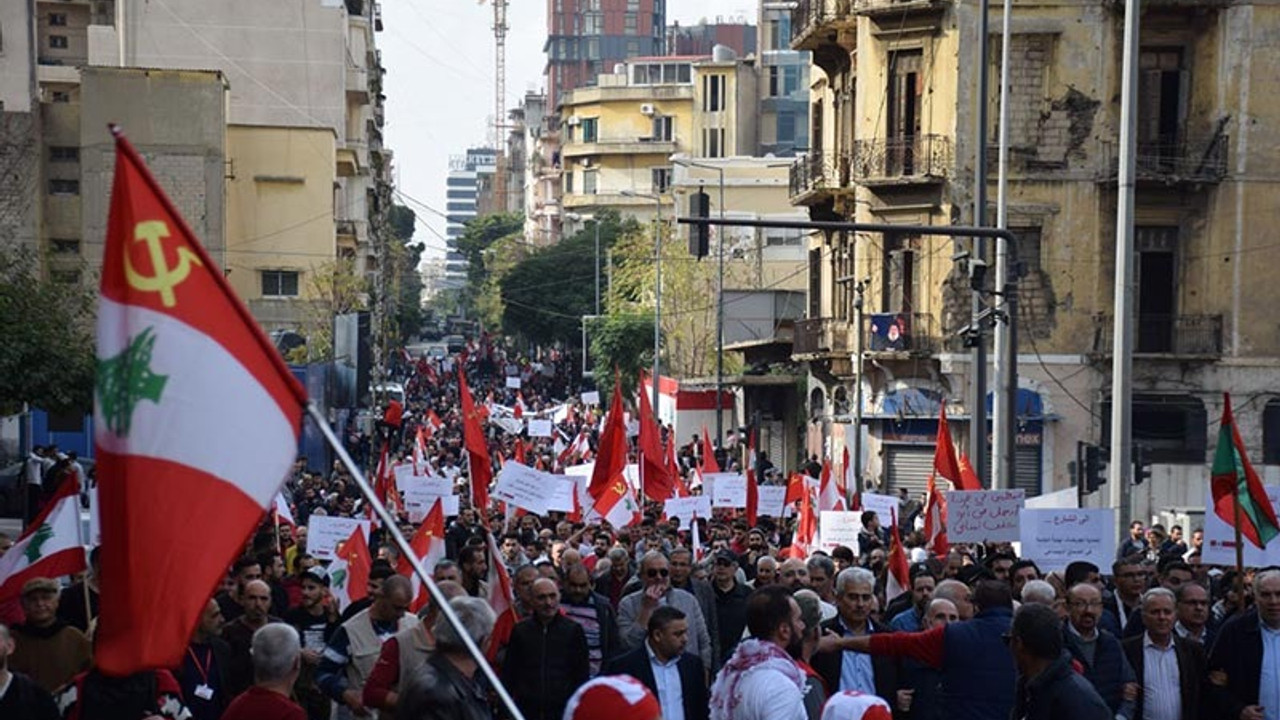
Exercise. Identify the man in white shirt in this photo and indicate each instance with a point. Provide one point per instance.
(1171, 669)
(762, 681)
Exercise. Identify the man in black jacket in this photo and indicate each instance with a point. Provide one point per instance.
(1048, 687)
(546, 658)
(1238, 655)
(682, 692)
(1178, 688)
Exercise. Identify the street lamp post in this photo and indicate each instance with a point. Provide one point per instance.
(657, 301)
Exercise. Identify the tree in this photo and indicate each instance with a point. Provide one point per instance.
(46, 358)
(332, 288)
(477, 237)
(622, 342)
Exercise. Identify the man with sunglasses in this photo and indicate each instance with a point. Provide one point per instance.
(634, 609)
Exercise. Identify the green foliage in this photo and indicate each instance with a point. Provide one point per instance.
(480, 234)
(402, 220)
(624, 342)
(46, 358)
(332, 288)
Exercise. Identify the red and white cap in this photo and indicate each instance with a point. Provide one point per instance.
(616, 697)
(853, 705)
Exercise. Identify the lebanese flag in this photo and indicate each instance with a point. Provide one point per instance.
(848, 481)
(829, 495)
(609, 489)
(935, 520)
(806, 529)
(501, 593)
(50, 547)
(695, 540)
(282, 511)
(657, 481)
(434, 423)
(427, 544)
(518, 412)
(478, 467)
(898, 579)
(753, 489)
(196, 424)
(419, 450)
(383, 475)
(349, 571)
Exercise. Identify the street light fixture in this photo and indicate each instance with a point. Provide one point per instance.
(657, 302)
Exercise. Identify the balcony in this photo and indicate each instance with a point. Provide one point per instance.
(358, 85)
(1180, 336)
(898, 10)
(911, 160)
(1174, 161)
(900, 335)
(816, 175)
(753, 318)
(621, 146)
(813, 21)
(817, 338)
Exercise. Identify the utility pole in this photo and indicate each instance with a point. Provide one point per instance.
(978, 354)
(1005, 366)
(1122, 330)
(859, 288)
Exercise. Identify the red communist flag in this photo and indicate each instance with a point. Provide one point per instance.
(610, 493)
(657, 480)
(478, 466)
(196, 422)
(945, 462)
(709, 464)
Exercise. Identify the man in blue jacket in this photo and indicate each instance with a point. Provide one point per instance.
(1048, 687)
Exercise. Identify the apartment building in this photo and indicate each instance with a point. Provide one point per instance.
(587, 38)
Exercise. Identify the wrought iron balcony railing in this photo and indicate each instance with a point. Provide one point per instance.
(1176, 159)
(914, 157)
(1181, 335)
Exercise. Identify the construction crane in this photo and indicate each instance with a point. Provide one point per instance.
(499, 99)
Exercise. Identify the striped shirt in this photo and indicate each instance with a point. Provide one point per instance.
(1161, 686)
(587, 616)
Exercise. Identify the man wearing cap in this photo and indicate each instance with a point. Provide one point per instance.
(731, 602)
(201, 675)
(675, 676)
(48, 650)
(315, 619)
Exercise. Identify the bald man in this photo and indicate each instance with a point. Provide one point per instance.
(547, 657)
(255, 598)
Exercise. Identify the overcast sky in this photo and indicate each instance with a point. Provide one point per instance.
(439, 84)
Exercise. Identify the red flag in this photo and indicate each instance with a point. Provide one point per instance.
(806, 529)
(709, 464)
(353, 583)
(382, 475)
(428, 546)
(945, 462)
(796, 484)
(478, 466)
(197, 423)
(518, 451)
(609, 489)
(935, 520)
(673, 467)
(968, 478)
(657, 481)
(753, 490)
(898, 579)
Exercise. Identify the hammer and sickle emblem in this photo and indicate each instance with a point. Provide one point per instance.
(163, 278)
(620, 488)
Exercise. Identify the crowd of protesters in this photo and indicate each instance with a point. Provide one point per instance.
(639, 623)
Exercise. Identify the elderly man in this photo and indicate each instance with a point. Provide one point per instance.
(403, 653)
(635, 609)
(856, 670)
(20, 697)
(1171, 670)
(546, 658)
(277, 660)
(959, 594)
(922, 696)
(1098, 651)
(445, 686)
(48, 650)
(1246, 655)
(1193, 614)
(822, 577)
(766, 572)
(612, 583)
(353, 649)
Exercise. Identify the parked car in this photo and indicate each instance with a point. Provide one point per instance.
(455, 343)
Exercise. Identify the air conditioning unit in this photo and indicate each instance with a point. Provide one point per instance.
(575, 120)
(648, 109)
(586, 162)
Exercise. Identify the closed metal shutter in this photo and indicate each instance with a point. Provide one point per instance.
(907, 466)
(1026, 470)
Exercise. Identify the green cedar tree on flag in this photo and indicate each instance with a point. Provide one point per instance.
(50, 547)
(1234, 480)
(196, 422)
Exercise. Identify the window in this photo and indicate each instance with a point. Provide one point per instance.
(786, 128)
(1164, 91)
(670, 75)
(593, 48)
(633, 6)
(1028, 248)
(64, 154)
(898, 274)
(60, 96)
(64, 246)
(58, 42)
(783, 80)
(590, 126)
(280, 283)
(593, 24)
(783, 237)
(661, 180)
(713, 142)
(1271, 433)
(568, 182)
(633, 48)
(684, 73)
(663, 128)
(58, 19)
(590, 181)
(1173, 429)
(64, 187)
(712, 93)
(629, 24)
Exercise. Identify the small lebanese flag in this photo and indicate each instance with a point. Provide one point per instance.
(898, 579)
(349, 571)
(50, 547)
(419, 451)
(829, 495)
(428, 546)
(501, 594)
(196, 423)
(283, 513)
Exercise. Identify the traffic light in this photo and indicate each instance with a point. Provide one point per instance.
(1141, 465)
(1095, 468)
(699, 235)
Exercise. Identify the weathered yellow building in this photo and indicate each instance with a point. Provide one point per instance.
(893, 105)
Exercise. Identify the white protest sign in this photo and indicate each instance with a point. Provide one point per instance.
(591, 397)
(686, 507)
(524, 487)
(983, 515)
(837, 528)
(884, 506)
(1056, 538)
(561, 499)
(770, 500)
(404, 475)
(632, 473)
(583, 470)
(1220, 539)
(427, 485)
(419, 503)
(513, 383)
(728, 490)
(325, 533)
(539, 428)
(512, 426)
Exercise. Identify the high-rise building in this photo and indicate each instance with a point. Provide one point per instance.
(784, 85)
(469, 193)
(701, 39)
(586, 38)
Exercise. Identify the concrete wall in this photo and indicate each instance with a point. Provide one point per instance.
(17, 56)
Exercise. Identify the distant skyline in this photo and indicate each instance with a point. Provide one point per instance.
(440, 76)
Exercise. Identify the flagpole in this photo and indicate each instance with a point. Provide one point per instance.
(406, 552)
(1239, 583)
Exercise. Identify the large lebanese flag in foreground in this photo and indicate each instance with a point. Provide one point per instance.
(50, 547)
(196, 421)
